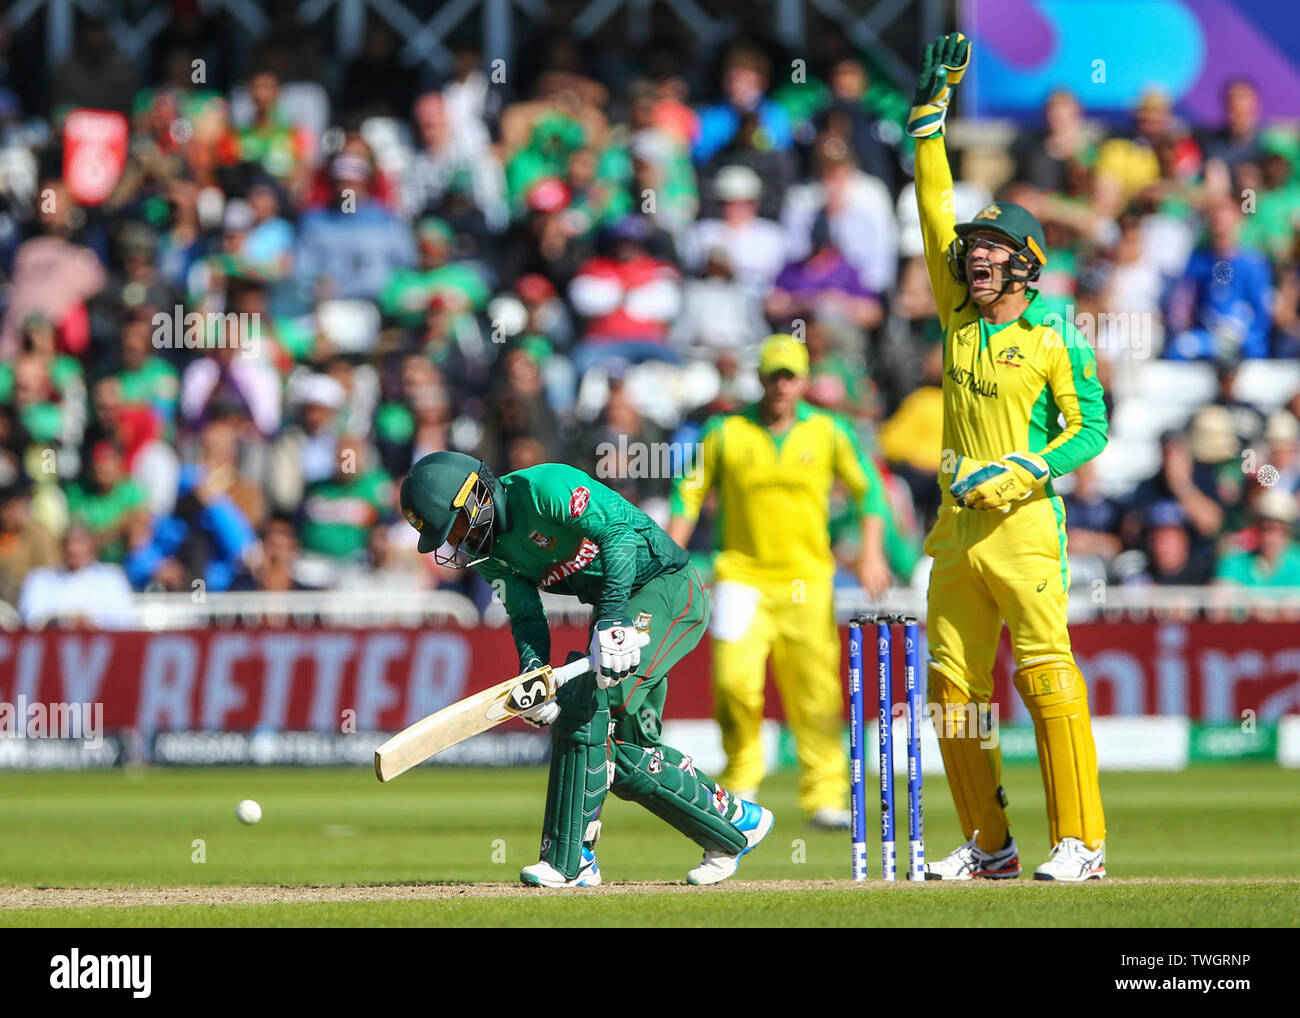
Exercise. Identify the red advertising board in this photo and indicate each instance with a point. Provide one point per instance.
(240, 679)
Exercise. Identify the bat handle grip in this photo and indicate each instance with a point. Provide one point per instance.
(583, 665)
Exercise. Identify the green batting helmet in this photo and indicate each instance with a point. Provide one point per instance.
(441, 487)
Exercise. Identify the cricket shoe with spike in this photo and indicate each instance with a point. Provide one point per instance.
(1073, 862)
(543, 874)
(754, 822)
(970, 861)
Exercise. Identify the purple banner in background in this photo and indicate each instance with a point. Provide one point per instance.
(1107, 52)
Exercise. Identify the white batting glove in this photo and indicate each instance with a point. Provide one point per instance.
(543, 714)
(615, 653)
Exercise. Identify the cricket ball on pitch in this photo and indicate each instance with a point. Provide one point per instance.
(248, 811)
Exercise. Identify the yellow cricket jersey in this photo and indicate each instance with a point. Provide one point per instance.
(774, 491)
(1005, 389)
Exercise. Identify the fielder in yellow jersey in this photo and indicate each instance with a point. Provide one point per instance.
(774, 465)
(1021, 405)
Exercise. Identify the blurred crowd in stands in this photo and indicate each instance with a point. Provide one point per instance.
(575, 259)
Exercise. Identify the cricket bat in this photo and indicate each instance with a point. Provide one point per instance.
(474, 714)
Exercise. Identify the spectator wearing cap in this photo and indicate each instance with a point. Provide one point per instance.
(307, 451)
(79, 591)
(745, 75)
(628, 298)
(858, 209)
(1214, 447)
(25, 542)
(756, 248)
(1222, 306)
(451, 160)
(1275, 561)
(352, 246)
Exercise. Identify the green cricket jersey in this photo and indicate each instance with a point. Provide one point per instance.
(565, 532)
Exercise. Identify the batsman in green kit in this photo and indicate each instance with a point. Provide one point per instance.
(553, 527)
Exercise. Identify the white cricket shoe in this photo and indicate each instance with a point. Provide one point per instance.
(828, 818)
(755, 822)
(543, 874)
(970, 861)
(1073, 862)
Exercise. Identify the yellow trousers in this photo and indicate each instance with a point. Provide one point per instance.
(991, 567)
(793, 623)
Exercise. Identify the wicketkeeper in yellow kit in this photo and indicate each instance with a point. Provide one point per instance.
(1010, 371)
(774, 465)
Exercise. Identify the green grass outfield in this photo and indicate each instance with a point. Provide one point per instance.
(1212, 846)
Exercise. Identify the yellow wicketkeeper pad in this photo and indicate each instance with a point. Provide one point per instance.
(1057, 698)
(972, 761)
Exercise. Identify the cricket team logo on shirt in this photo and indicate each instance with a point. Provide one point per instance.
(642, 622)
(578, 502)
(1011, 356)
(542, 541)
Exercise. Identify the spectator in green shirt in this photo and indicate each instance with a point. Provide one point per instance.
(109, 503)
(339, 512)
(1275, 560)
(146, 378)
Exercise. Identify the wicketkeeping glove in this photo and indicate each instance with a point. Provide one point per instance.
(978, 484)
(943, 65)
(615, 652)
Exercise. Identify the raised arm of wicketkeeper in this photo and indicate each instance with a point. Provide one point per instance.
(943, 65)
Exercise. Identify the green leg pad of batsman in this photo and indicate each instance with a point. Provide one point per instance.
(666, 783)
(579, 775)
